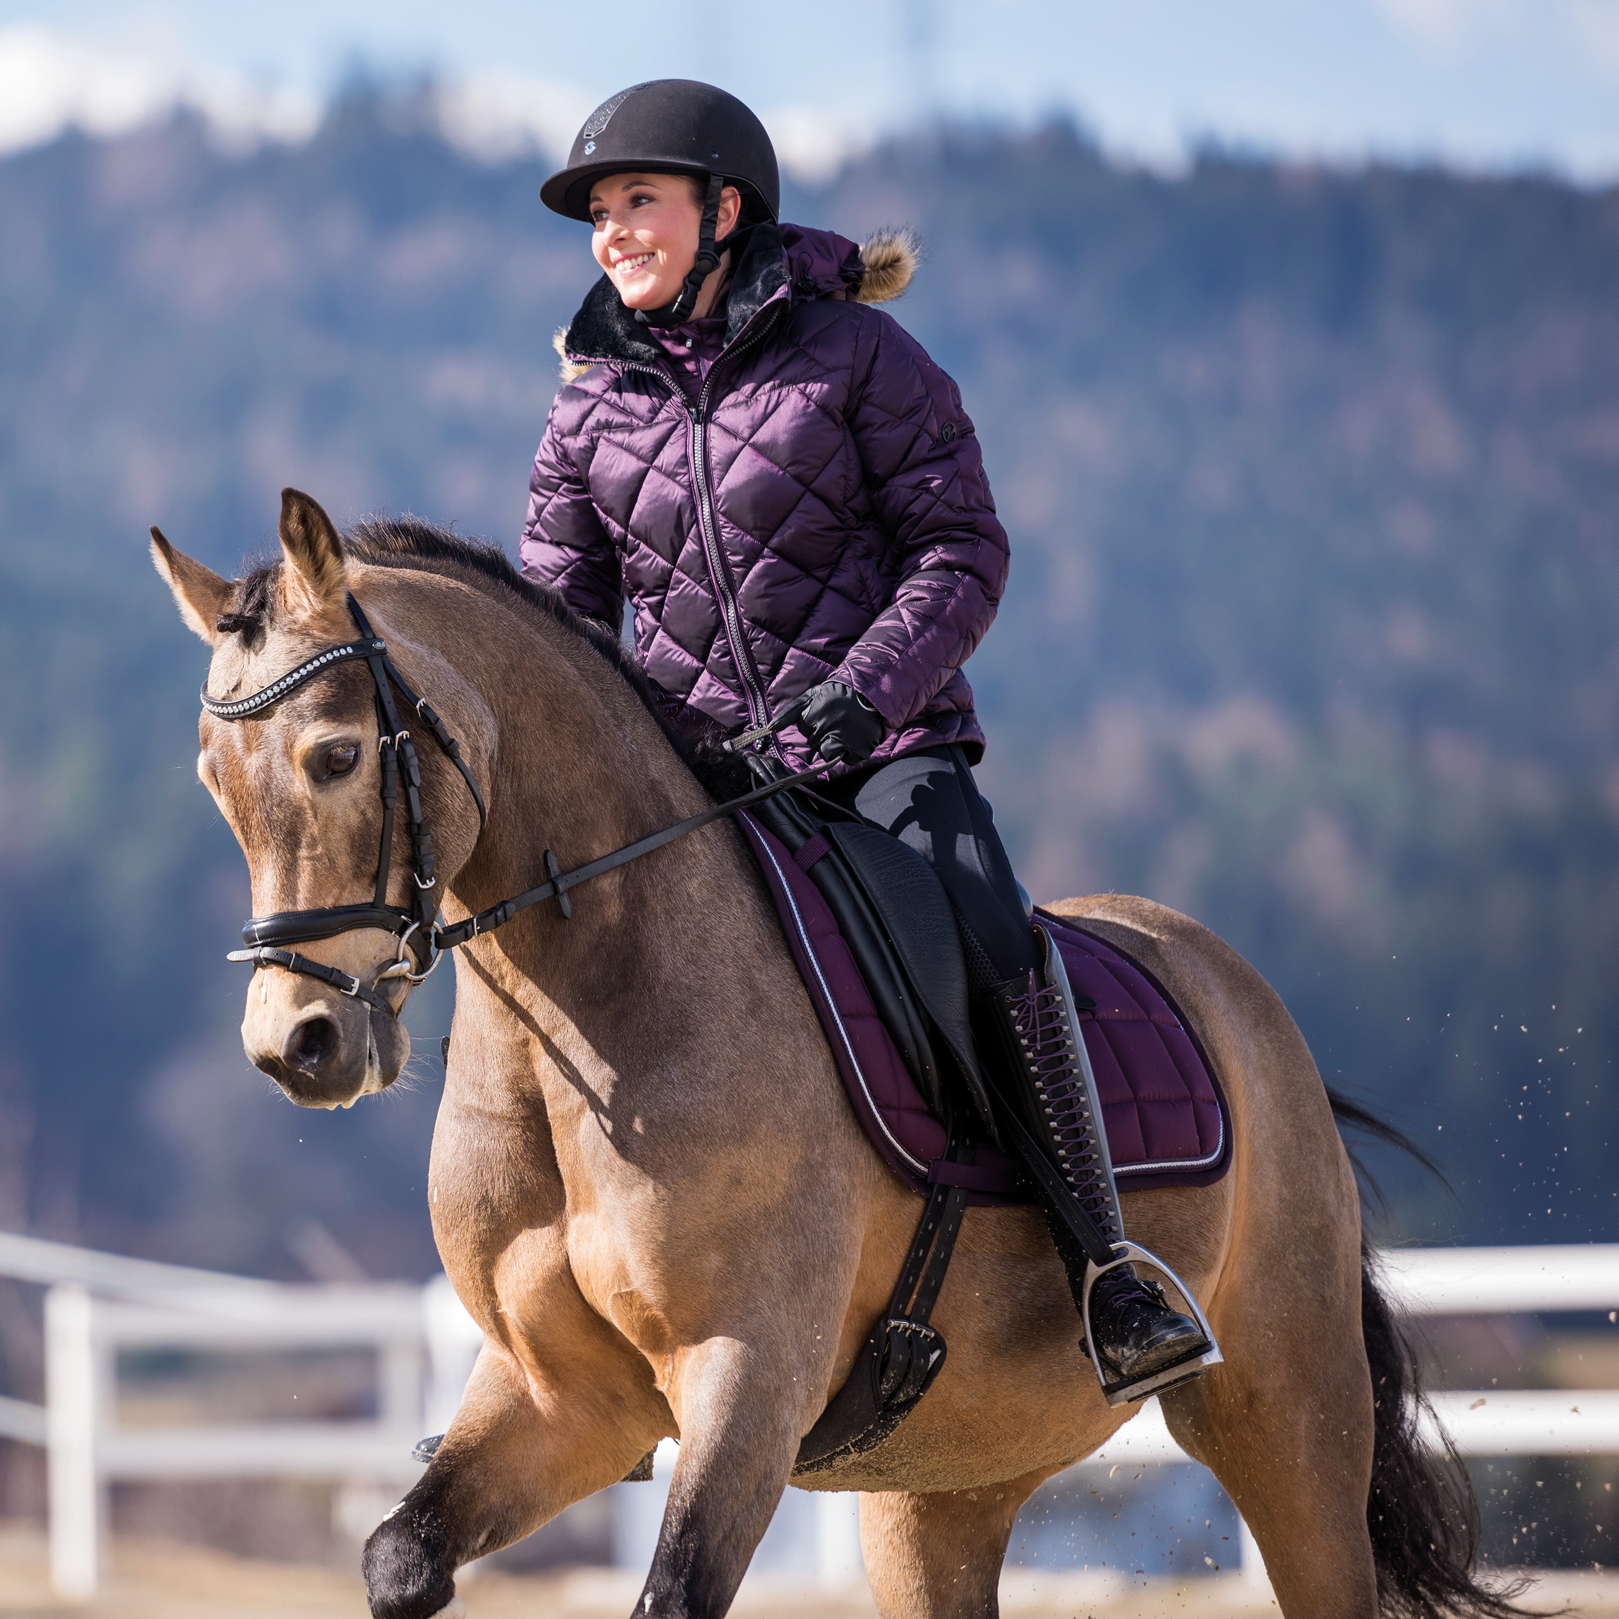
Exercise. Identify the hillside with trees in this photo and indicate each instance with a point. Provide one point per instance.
(1311, 476)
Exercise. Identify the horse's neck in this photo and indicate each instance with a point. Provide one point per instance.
(582, 768)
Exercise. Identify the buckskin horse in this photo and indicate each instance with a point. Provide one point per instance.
(647, 1185)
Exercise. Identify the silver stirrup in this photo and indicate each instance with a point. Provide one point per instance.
(1120, 1391)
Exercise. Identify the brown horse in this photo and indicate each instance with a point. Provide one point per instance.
(648, 1187)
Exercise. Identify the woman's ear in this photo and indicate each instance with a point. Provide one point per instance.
(730, 212)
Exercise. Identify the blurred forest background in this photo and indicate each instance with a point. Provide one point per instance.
(1311, 476)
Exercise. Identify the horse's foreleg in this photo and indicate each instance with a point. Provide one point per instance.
(742, 1411)
(512, 1459)
(939, 1556)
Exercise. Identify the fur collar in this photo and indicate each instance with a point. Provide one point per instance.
(880, 269)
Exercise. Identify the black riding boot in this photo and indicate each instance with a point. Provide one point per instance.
(1136, 1341)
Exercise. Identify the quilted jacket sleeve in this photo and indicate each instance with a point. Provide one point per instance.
(949, 551)
(564, 543)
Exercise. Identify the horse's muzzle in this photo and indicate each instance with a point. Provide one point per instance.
(328, 1051)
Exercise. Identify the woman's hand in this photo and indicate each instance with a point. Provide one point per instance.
(842, 726)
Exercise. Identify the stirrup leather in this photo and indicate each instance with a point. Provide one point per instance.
(1118, 1390)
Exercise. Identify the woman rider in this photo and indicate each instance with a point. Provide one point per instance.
(789, 492)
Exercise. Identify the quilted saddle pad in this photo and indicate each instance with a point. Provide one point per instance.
(1166, 1118)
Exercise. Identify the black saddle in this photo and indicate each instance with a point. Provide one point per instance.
(901, 928)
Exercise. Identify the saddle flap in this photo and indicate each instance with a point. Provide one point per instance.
(921, 925)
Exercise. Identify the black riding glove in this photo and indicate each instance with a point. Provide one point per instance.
(841, 725)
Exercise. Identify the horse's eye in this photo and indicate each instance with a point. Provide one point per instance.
(341, 758)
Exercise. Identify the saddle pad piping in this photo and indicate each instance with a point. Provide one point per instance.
(1167, 1164)
(831, 1004)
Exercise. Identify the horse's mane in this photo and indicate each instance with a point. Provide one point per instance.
(414, 542)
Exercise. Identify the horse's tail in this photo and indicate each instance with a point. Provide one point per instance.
(1420, 1512)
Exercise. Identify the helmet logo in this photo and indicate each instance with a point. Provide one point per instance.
(600, 118)
(590, 146)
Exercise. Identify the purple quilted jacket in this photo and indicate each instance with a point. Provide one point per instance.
(800, 498)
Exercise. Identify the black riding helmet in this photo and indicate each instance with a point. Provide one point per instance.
(673, 126)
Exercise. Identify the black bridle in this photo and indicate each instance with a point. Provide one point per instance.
(422, 938)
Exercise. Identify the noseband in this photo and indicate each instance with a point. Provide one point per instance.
(422, 938)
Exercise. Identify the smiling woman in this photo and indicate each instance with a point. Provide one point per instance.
(646, 236)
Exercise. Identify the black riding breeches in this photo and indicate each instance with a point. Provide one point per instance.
(930, 801)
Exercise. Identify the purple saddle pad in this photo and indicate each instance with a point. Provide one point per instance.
(1166, 1119)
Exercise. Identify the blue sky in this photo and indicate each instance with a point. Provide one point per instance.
(1485, 83)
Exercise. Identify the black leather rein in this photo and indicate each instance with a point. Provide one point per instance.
(422, 938)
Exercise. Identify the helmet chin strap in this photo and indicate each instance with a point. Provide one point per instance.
(703, 266)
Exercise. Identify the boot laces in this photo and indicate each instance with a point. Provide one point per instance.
(1046, 1038)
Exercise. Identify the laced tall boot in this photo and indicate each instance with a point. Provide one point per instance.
(1052, 1118)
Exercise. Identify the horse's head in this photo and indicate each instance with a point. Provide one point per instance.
(301, 774)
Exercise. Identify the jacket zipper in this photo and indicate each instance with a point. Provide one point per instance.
(719, 572)
(708, 521)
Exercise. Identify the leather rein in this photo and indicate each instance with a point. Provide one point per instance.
(422, 939)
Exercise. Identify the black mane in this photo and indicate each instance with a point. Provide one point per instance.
(413, 542)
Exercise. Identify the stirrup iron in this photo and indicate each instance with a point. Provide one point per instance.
(1118, 1390)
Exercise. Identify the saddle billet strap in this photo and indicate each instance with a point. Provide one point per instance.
(922, 1275)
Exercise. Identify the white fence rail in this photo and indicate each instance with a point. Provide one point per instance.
(99, 1305)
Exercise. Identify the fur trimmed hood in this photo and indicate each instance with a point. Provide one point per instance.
(792, 261)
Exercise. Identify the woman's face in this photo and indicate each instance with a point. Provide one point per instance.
(645, 230)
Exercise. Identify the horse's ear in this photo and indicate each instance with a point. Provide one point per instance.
(314, 576)
(199, 592)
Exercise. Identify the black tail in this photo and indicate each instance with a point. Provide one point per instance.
(1421, 1513)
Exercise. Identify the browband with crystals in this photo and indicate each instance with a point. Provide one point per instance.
(240, 707)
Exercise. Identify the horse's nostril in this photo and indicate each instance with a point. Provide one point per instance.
(311, 1044)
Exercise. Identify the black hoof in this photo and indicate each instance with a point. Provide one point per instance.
(405, 1567)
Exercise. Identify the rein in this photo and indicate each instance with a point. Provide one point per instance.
(422, 939)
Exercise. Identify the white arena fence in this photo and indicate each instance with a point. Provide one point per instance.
(99, 1305)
